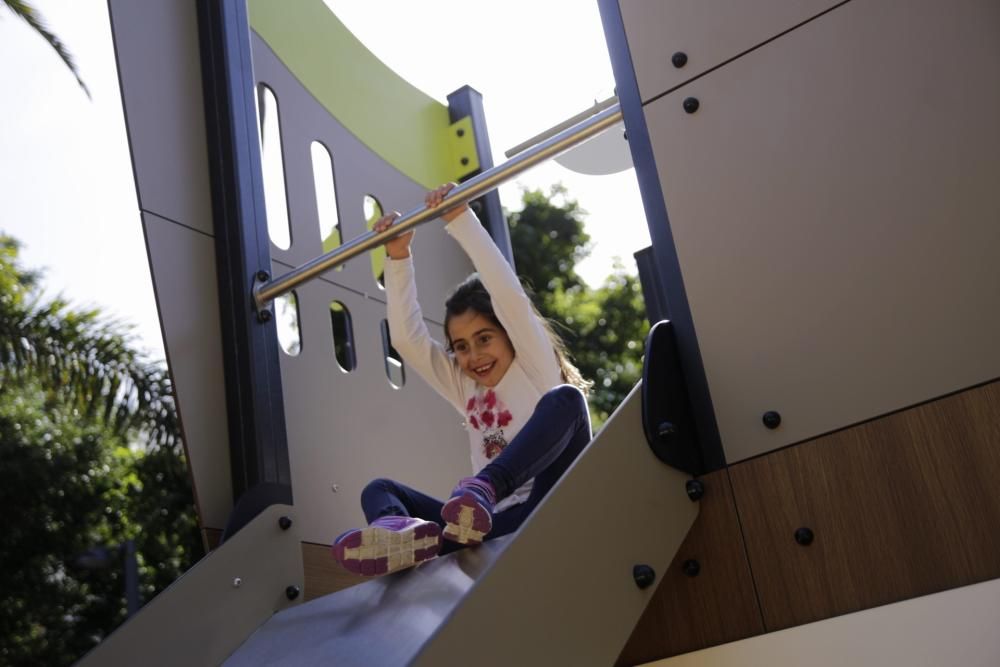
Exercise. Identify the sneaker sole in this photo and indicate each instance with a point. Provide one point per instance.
(374, 551)
(467, 522)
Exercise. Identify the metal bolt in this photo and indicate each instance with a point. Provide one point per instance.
(263, 276)
(804, 536)
(285, 522)
(625, 136)
(691, 567)
(643, 575)
(691, 104)
(335, 488)
(771, 419)
(460, 132)
(237, 582)
(264, 315)
(465, 161)
(679, 59)
(695, 489)
(665, 430)
(292, 592)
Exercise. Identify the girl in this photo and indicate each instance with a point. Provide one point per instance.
(507, 373)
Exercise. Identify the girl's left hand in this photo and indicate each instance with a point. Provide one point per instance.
(434, 198)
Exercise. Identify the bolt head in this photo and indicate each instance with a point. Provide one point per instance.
(804, 536)
(643, 575)
(263, 276)
(285, 522)
(771, 419)
(237, 582)
(691, 567)
(264, 315)
(465, 161)
(691, 104)
(292, 592)
(695, 489)
(679, 59)
(460, 132)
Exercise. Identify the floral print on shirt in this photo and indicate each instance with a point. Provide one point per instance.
(488, 415)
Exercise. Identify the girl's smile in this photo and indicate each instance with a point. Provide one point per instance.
(481, 348)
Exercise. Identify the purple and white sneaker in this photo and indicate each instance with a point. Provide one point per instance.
(468, 515)
(388, 544)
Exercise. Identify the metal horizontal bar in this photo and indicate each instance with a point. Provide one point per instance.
(569, 122)
(460, 195)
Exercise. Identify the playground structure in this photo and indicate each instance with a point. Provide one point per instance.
(820, 188)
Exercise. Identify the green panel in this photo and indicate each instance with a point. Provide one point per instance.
(408, 129)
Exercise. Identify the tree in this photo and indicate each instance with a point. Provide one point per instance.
(35, 20)
(604, 328)
(91, 456)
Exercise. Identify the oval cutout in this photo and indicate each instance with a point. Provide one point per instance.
(394, 369)
(326, 198)
(343, 336)
(273, 169)
(372, 210)
(286, 319)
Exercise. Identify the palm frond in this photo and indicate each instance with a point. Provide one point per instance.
(34, 19)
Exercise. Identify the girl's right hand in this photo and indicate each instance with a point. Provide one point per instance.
(398, 247)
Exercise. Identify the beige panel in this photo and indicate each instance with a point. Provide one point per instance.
(709, 32)
(835, 209)
(182, 263)
(156, 44)
(345, 429)
(957, 627)
(206, 614)
(566, 580)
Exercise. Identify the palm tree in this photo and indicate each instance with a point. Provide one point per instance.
(34, 19)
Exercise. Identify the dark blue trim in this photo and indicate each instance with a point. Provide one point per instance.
(468, 101)
(254, 404)
(671, 282)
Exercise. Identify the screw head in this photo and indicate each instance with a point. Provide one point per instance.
(625, 136)
(804, 536)
(771, 419)
(695, 489)
(237, 582)
(263, 276)
(691, 567)
(665, 430)
(285, 522)
(264, 315)
(691, 104)
(460, 132)
(679, 59)
(464, 161)
(292, 592)
(643, 575)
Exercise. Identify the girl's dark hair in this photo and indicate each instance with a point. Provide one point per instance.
(472, 295)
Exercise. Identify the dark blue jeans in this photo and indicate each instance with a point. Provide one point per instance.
(547, 444)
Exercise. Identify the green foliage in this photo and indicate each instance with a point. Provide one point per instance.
(604, 328)
(91, 457)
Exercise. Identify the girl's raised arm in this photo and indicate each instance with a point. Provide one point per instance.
(532, 345)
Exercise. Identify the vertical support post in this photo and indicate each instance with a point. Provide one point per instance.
(467, 101)
(254, 402)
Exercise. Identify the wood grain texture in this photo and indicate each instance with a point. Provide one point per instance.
(717, 606)
(323, 575)
(901, 506)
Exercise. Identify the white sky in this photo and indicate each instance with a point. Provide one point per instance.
(65, 175)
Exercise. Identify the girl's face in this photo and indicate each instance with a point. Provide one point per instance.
(482, 349)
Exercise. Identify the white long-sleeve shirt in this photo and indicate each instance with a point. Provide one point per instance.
(493, 416)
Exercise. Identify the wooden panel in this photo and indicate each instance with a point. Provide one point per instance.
(718, 605)
(901, 506)
(323, 575)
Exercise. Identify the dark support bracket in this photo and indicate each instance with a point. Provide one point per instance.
(464, 102)
(254, 403)
(666, 410)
